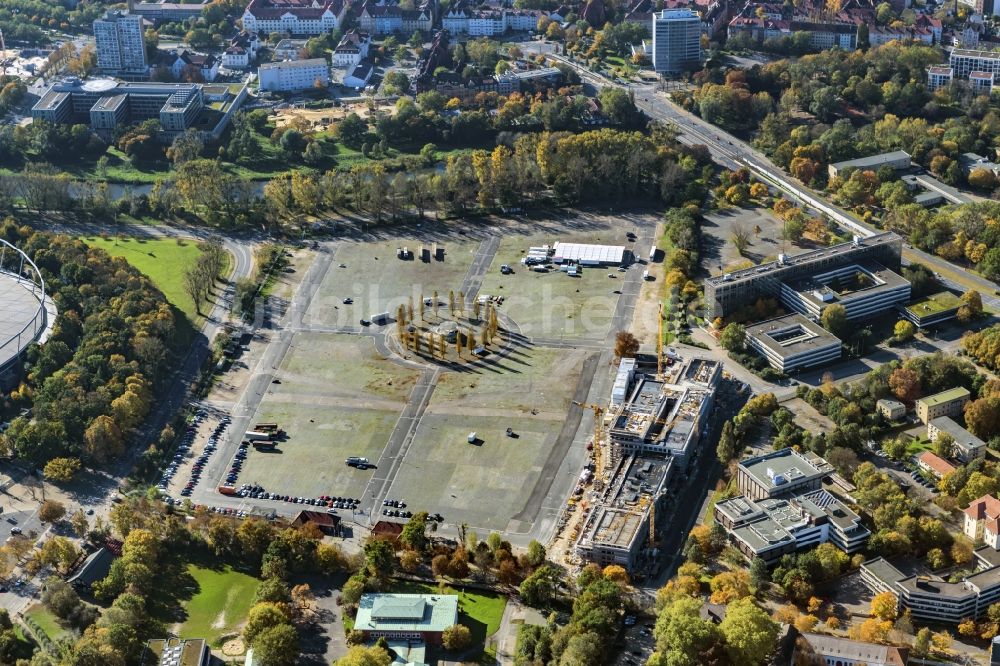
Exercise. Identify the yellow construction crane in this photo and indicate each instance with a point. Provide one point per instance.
(659, 345)
(598, 434)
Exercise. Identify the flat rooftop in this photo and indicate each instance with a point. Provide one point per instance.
(872, 160)
(942, 301)
(973, 53)
(295, 64)
(881, 569)
(964, 439)
(786, 466)
(791, 335)
(806, 258)
(585, 253)
(866, 278)
(957, 393)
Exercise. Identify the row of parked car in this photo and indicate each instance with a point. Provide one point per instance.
(256, 491)
(185, 447)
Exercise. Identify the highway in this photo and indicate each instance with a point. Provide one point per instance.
(731, 152)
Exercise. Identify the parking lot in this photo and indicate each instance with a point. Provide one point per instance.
(718, 253)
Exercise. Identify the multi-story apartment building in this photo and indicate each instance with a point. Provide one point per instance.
(966, 447)
(945, 403)
(981, 82)
(775, 526)
(386, 18)
(291, 75)
(939, 76)
(965, 61)
(780, 474)
(676, 40)
(296, 17)
(121, 49)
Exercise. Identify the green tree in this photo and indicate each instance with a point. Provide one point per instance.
(414, 535)
(62, 469)
(759, 574)
(922, 643)
(456, 637)
(904, 330)
(536, 553)
(733, 338)
(539, 588)
(379, 557)
(261, 617)
(751, 635)
(682, 636)
(834, 319)
(365, 656)
(729, 444)
(277, 646)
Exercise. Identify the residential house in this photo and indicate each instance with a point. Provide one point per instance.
(982, 520)
(934, 464)
(195, 67)
(360, 75)
(966, 446)
(946, 403)
(352, 49)
(891, 410)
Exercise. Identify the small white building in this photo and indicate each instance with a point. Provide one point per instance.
(294, 75)
(242, 51)
(360, 76)
(892, 410)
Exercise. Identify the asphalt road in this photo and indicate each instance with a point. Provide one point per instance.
(733, 153)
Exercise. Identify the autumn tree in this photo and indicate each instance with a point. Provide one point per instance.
(626, 345)
(456, 637)
(61, 469)
(971, 307)
(885, 606)
(905, 384)
(51, 511)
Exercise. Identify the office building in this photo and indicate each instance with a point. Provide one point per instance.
(176, 652)
(981, 83)
(930, 599)
(529, 81)
(864, 289)
(939, 76)
(676, 40)
(780, 474)
(966, 447)
(965, 61)
(793, 342)
(729, 292)
(945, 403)
(934, 464)
(296, 17)
(933, 309)
(891, 410)
(898, 160)
(121, 49)
(775, 526)
(419, 617)
(108, 105)
(981, 520)
(666, 417)
(294, 75)
(617, 529)
(823, 650)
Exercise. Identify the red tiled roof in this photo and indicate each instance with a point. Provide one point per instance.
(986, 507)
(302, 9)
(936, 463)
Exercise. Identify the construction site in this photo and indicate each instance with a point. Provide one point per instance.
(643, 445)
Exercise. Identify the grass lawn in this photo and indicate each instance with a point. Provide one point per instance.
(162, 260)
(220, 604)
(918, 446)
(46, 621)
